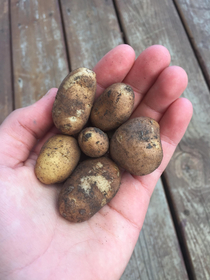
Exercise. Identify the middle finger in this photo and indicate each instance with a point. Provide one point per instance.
(146, 69)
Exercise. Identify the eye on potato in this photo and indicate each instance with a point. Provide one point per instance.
(74, 101)
(136, 146)
(113, 107)
(57, 159)
(92, 185)
(93, 142)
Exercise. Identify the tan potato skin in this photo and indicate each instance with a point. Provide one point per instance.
(93, 142)
(92, 185)
(57, 159)
(136, 146)
(113, 107)
(74, 100)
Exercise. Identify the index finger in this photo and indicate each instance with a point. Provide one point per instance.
(113, 67)
(146, 69)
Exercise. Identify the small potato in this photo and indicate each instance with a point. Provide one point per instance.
(74, 101)
(92, 185)
(136, 146)
(113, 107)
(57, 159)
(93, 142)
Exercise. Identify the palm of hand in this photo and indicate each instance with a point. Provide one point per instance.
(35, 241)
(41, 241)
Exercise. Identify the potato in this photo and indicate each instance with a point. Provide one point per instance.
(57, 159)
(92, 185)
(113, 107)
(74, 101)
(93, 142)
(136, 146)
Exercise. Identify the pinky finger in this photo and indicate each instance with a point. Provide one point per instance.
(173, 126)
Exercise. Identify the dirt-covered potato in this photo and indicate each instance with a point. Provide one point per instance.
(113, 107)
(92, 185)
(93, 142)
(57, 159)
(74, 101)
(136, 146)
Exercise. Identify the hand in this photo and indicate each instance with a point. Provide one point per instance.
(35, 241)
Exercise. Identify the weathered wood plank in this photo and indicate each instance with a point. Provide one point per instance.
(157, 22)
(39, 55)
(157, 254)
(6, 100)
(196, 17)
(91, 29)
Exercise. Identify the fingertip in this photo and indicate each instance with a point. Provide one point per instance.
(157, 54)
(127, 49)
(187, 105)
(122, 51)
(176, 119)
(146, 69)
(51, 93)
(114, 66)
(179, 74)
(45, 103)
(160, 51)
(183, 109)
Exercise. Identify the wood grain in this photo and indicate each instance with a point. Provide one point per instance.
(157, 254)
(39, 54)
(157, 22)
(196, 17)
(6, 102)
(91, 29)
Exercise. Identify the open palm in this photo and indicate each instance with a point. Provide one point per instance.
(35, 241)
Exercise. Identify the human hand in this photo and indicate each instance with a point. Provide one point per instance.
(35, 241)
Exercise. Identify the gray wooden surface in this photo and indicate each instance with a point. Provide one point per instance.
(6, 98)
(196, 17)
(157, 253)
(92, 29)
(42, 40)
(188, 177)
(38, 49)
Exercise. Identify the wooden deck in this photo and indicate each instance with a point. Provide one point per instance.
(41, 41)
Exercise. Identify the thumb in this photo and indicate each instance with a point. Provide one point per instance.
(23, 128)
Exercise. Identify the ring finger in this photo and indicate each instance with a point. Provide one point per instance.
(168, 87)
